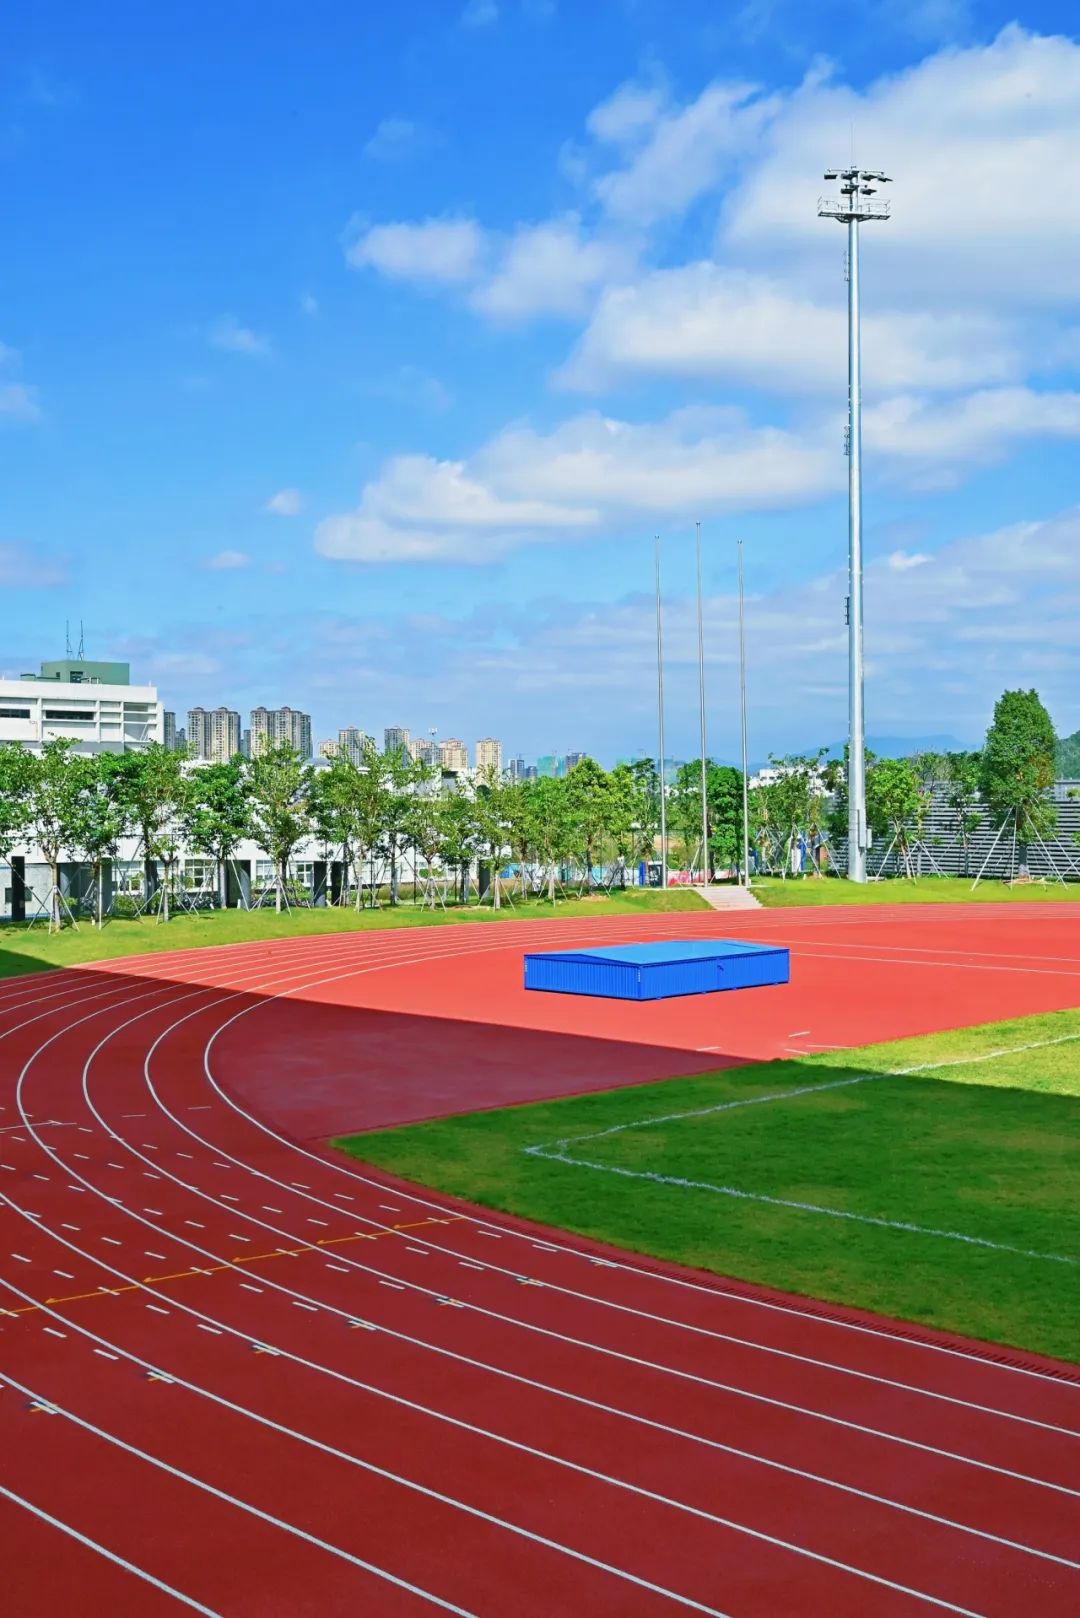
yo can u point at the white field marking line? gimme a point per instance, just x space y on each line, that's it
822 954
293 1238
245 1505
356 1264
353 1381
574 932
110 1556
933 949
708 1516
556 1287
715 1291
560 1151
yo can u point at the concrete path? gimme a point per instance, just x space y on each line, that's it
725 897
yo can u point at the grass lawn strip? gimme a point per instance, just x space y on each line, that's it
32 949
777 892
947 1191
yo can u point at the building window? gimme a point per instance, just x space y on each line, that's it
199 874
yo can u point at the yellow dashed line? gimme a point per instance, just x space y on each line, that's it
241 1258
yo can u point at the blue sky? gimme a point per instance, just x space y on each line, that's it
351 357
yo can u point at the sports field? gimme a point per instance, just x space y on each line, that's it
937 1178
317 1389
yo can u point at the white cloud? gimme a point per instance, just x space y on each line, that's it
227 333
479 14
446 250
688 150
420 509
22 568
227 561
550 268
984 146
393 138
309 304
586 476
19 403
705 321
285 503
901 561
626 117
975 429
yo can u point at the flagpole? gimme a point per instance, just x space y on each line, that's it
660 717
701 713
742 721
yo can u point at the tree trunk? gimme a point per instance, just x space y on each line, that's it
495 894
280 887
165 893
551 881
99 883
223 892
54 898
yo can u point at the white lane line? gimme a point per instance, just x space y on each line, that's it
109 1556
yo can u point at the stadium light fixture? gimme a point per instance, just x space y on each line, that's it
858 202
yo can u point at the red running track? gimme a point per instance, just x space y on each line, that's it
241 1376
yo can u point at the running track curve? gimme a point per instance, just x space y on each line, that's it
242 1376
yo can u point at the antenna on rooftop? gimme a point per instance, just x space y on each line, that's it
82 651
67 638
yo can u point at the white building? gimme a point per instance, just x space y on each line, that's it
100 715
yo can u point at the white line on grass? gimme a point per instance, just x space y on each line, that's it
559 1151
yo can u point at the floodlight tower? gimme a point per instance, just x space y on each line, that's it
858 201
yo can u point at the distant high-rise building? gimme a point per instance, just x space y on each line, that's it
453 754
517 768
328 749
572 759
270 727
245 743
170 729
214 735
395 737
548 764
531 773
424 750
354 742
489 754
181 739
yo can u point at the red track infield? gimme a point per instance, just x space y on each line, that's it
242 1376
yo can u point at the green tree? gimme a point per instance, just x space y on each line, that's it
554 831
962 797
458 836
150 786
215 816
101 820
893 802
490 811
276 780
14 786
1018 767
56 780
723 807
590 807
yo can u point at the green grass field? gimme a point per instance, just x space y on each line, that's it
32 949
831 890
986 1149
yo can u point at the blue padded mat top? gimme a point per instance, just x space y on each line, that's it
660 954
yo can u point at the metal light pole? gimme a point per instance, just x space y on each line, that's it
660 714
858 188
701 714
742 726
